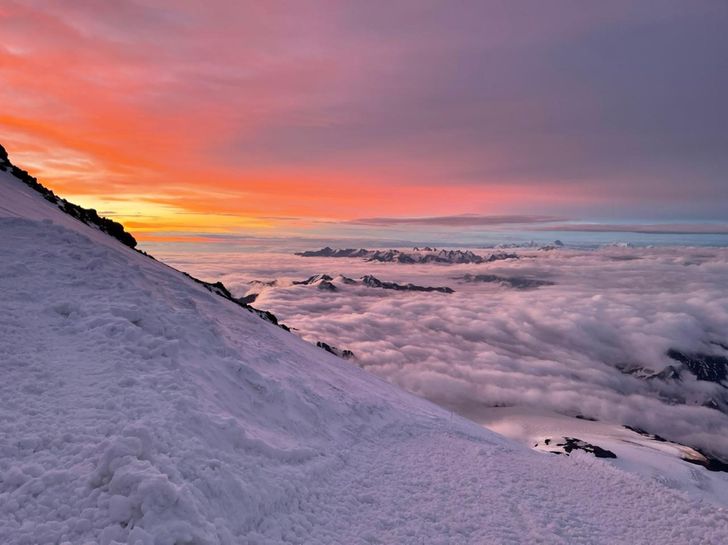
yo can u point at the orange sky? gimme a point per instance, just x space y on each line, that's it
266 117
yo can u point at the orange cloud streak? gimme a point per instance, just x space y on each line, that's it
106 123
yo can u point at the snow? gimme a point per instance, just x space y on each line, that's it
137 407
660 460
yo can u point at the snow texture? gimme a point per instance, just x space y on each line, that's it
137 407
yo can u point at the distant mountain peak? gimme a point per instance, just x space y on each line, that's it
416 256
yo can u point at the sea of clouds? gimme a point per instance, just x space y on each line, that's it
562 347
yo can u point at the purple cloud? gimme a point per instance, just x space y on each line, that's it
462 220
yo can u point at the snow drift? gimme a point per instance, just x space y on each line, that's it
138 407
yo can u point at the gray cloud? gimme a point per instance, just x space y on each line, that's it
667 229
462 220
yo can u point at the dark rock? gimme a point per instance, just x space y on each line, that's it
219 288
4 161
646 434
571 444
517 282
704 366
264 283
374 282
326 347
326 285
321 281
424 255
345 354
708 462
668 373
313 279
248 299
330 252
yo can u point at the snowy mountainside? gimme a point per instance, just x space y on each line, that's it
138 407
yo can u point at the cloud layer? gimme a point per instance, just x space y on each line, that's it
559 346
462 220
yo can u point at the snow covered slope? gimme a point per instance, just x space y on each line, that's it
137 407
634 450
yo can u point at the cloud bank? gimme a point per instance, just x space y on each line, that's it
647 229
462 220
569 346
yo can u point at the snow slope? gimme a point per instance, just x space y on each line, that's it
137 407
654 458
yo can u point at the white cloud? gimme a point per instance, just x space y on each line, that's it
559 347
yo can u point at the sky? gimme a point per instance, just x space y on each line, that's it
184 119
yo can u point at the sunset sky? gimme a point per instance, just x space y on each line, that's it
183 118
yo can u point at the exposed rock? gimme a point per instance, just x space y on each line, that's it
345 354
330 252
517 282
4 161
670 372
417 256
264 283
374 282
346 280
248 299
326 283
313 279
693 455
707 367
571 444
667 382
708 462
321 281
645 433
